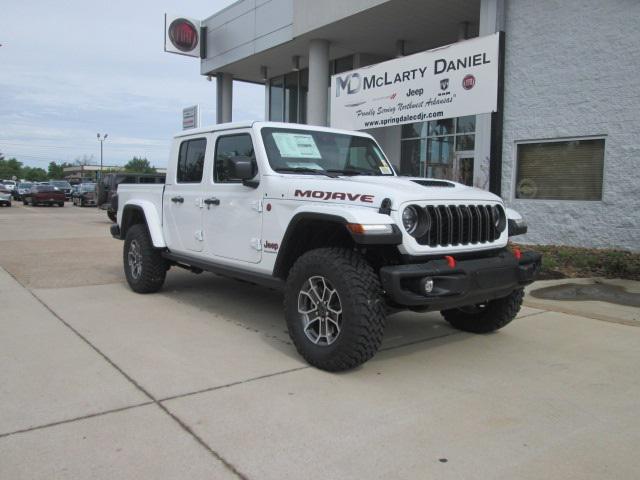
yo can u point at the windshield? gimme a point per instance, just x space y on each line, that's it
61 184
87 187
323 153
24 185
45 188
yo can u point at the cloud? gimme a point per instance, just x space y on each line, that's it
86 72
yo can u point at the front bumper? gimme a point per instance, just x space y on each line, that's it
469 282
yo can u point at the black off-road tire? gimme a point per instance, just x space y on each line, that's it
494 315
363 312
153 267
112 216
61 204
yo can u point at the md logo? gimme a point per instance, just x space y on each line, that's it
351 83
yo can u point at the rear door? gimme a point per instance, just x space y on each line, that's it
232 217
182 199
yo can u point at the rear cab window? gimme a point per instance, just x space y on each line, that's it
191 160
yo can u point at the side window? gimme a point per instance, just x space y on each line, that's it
191 160
227 147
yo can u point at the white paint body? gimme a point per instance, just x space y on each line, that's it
234 233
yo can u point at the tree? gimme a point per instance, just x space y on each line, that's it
10 168
139 165
55 171
84 160
35 174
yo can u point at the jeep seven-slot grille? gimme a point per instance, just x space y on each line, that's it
458 225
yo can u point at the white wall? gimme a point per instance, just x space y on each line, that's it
573 69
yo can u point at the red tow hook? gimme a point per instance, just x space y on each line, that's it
451 261
517 253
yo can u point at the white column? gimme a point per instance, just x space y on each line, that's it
318 95
224 97
491 21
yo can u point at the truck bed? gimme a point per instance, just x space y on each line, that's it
151 193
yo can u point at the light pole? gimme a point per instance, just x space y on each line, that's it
101 140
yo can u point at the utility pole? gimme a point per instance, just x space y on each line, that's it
101 140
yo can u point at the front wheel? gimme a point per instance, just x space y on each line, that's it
61 204
334 309
112 216
486 317
144 266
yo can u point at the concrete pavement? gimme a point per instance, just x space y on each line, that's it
201 380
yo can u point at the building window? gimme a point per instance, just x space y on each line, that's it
439 149
288 97
191 160
276 99
560 170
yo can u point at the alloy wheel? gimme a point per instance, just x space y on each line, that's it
320 310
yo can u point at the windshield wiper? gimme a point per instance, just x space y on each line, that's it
305 170
350 171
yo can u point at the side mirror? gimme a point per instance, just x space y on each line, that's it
244 168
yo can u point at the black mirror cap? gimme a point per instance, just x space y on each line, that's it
245 169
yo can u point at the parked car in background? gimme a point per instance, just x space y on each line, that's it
21 189
44 195
64 186
10 184
5 195
106 189
85 195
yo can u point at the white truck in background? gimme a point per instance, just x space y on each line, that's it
321 214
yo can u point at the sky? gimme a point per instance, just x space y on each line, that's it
72 69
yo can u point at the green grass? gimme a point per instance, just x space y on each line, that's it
572 262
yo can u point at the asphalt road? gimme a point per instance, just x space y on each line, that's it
201 380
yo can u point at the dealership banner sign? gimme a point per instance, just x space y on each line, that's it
453 81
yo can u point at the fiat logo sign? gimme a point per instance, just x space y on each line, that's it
468 82
183 35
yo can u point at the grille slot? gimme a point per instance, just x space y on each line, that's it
453 225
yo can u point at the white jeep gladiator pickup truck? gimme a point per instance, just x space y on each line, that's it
321 214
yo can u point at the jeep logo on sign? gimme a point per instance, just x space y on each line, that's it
351 83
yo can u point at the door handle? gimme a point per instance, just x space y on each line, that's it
212 201
177 200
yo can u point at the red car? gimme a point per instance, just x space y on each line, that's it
44 194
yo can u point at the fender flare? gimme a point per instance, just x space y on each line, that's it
394 238
151 218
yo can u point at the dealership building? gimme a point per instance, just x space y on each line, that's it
546 95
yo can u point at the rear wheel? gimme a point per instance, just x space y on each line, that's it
485 317
61 204
334 310
144 266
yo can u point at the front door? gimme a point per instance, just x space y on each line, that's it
182 202
232 215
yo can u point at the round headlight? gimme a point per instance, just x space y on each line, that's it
498 218
410 219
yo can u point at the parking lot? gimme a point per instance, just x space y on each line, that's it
201 380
